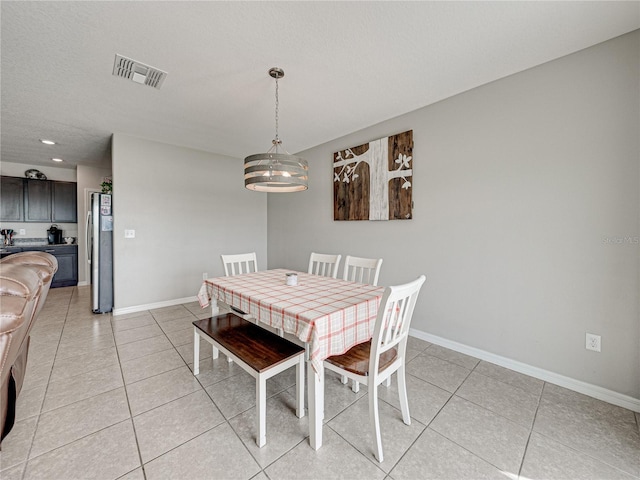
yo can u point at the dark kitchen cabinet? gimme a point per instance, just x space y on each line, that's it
6 251
37 201
65 202
43 201
67 256
11 199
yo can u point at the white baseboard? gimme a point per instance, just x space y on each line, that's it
152 306
594 391
83 284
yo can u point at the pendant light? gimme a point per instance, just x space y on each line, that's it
274 171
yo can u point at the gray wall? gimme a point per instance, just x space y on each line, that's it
187 207
526 219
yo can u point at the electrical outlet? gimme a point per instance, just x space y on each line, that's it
22 232
593 342
205 275
129 234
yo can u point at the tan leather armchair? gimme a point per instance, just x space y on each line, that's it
25 279
44 264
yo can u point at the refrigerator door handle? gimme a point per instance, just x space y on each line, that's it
88 237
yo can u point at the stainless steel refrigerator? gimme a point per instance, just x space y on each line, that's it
100 251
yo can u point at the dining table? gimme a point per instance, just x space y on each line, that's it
328 315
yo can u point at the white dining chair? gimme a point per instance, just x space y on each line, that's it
362 270
371 363
239 263
323 264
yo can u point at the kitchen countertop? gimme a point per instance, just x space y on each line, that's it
26 243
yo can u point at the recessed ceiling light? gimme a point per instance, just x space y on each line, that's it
57 159
48 142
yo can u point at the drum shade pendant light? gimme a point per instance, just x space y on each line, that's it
274 171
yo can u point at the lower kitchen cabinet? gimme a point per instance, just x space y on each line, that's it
6 251
67 256
67 274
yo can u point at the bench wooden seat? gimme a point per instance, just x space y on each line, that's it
259 352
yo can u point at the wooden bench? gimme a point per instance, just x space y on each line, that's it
259 352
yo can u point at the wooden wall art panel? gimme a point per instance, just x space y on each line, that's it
374 181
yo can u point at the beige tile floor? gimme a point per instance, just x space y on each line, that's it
115 398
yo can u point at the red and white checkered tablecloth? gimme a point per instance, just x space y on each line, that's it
330 315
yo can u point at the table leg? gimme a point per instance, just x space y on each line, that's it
300 366
316 406
215 310
196 351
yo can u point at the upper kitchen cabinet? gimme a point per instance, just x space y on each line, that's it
37 201
43 201
65 202
11 199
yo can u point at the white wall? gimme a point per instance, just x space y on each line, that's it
526 219
187 207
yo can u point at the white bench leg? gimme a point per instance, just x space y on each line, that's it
214 352
196 351
300 387
355 387
387 382
261 411
343 379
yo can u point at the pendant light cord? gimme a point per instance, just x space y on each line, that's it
277 141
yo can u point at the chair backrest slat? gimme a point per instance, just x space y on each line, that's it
323 264
362 270
239 263
393 320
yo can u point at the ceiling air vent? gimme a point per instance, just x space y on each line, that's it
138 72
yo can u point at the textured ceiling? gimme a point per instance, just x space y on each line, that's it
348 65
